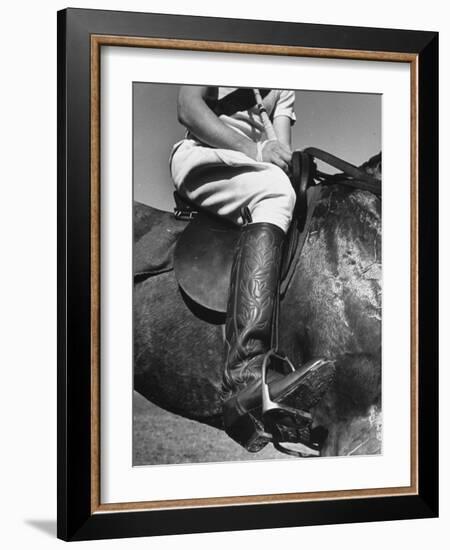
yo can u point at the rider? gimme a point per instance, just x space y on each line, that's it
226 165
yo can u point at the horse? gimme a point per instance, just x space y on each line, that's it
332 309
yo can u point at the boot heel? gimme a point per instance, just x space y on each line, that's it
248 432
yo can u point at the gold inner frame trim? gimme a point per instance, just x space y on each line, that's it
97 41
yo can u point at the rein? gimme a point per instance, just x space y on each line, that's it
351 175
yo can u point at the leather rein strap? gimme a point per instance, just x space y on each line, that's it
351 175
297 239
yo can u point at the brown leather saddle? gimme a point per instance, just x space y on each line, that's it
204 251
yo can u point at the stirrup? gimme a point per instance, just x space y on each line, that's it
275 415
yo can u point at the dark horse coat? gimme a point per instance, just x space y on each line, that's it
332 308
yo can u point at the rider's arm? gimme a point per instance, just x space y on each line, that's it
280 152
196 116
282 126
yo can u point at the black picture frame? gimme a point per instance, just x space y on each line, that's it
77 520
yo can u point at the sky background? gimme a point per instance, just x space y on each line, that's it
345 124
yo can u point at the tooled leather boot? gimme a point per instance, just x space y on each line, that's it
248 333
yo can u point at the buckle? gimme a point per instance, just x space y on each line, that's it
184 214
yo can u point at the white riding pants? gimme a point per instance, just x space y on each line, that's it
223 181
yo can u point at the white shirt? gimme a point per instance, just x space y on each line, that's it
248 121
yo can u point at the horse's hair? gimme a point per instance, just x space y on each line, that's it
373 166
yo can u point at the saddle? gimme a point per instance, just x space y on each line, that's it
204 251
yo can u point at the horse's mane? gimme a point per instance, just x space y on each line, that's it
373 166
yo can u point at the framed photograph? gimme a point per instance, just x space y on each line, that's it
247 255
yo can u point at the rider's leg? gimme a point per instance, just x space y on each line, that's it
270 198
223 190
248 331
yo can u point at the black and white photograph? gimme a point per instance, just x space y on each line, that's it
224 283
257 273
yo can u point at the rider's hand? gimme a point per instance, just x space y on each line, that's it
277 153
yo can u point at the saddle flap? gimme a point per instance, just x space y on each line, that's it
203 259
